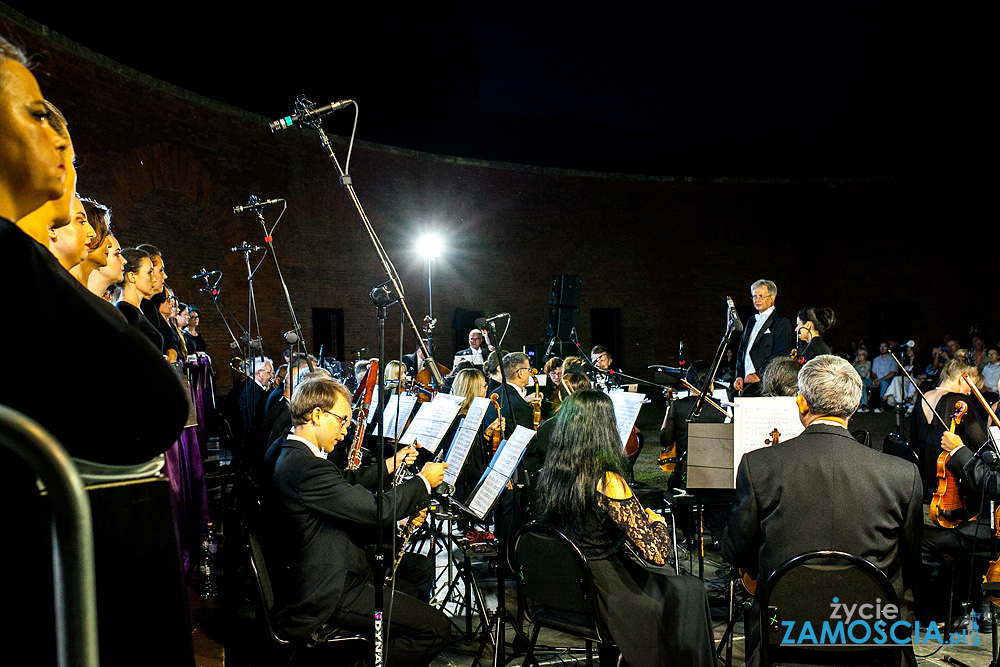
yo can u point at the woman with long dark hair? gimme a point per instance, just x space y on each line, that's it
655 618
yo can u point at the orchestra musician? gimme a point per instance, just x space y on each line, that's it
477 350
674 431
515 402
655 617
824 490
981 482
770 337
601 358
977 484
319 524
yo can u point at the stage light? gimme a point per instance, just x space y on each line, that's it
430 246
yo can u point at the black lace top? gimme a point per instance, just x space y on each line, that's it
610 522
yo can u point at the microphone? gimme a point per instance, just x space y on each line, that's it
246 247
548 350
306 116
204 273
256 203
481 322
734 316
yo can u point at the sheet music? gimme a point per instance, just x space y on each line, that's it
406 405
373 406
432 422
464 438
759 420
627 404
501 468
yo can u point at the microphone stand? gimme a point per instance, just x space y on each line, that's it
293 337
382 296
252 318
304 106
706 389
212 289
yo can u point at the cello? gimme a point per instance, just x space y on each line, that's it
948 504
423 382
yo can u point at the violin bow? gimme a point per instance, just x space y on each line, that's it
915 386
982 399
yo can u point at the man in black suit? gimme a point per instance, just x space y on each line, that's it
319 525
477 350
768 337
515 402
824 490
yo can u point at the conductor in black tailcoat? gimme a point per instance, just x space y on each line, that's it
824 490
768 337
319 524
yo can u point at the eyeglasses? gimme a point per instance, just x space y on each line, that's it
760 297
526 368
343 420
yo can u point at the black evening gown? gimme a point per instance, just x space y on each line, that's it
655 617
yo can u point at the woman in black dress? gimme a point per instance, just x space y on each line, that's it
194 340
655 617
138 285
810 325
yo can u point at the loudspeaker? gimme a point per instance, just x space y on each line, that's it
564 304
565 292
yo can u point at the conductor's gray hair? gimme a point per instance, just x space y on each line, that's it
772 289
831 386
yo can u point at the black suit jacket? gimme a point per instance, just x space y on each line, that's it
776 339
513 407
318 526
824 490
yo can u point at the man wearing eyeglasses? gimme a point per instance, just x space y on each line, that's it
477 350
769 336
320 524
515 402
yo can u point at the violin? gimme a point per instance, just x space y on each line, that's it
668 455
634 444
498 433
948 504
536 406
364 395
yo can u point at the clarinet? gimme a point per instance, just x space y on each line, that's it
415 521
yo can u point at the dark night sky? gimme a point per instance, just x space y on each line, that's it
743 90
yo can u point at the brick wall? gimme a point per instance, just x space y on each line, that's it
665 251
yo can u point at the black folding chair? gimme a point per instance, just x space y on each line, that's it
259 566
556 588
802 590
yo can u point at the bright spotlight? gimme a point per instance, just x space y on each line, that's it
430 246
